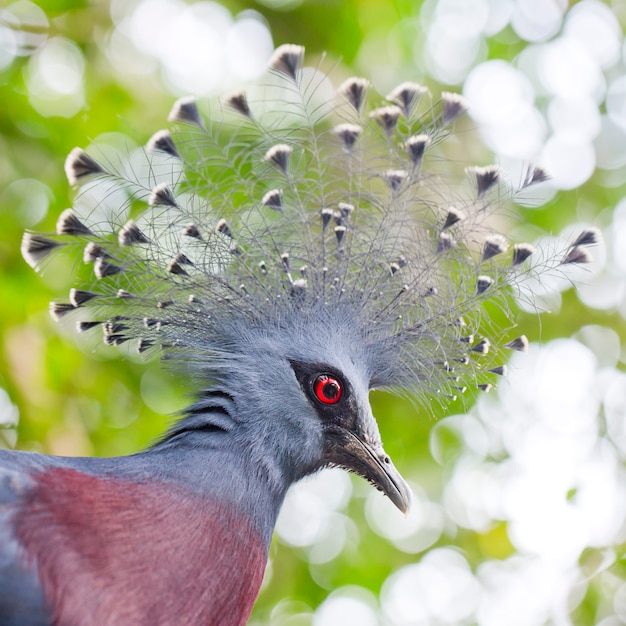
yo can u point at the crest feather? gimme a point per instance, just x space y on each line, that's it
325 214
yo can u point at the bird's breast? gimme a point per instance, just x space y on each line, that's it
112 552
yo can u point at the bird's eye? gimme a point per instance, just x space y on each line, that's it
327 389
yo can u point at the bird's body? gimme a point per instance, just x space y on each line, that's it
69 527
76 520
286 266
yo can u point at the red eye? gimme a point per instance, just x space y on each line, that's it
327 389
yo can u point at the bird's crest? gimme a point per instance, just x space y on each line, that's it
296 201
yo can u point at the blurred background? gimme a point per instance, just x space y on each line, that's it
520 495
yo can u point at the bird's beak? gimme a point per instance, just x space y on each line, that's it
372 463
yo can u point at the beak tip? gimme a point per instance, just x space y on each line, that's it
404 500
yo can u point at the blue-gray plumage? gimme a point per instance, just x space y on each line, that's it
21 600
239 445
287 255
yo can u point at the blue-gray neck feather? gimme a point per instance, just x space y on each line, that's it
209 465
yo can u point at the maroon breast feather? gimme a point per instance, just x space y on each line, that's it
112 552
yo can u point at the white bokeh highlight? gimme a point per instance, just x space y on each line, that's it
311 514
537 20
9 418
546 106
440 589
55 78
412 533
198 48
543 466
23 28
348 606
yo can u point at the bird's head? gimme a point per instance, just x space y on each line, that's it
301 388
350 437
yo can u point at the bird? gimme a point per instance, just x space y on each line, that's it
285 249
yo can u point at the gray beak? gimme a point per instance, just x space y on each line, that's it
370 461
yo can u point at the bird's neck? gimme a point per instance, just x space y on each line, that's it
200 500
216 462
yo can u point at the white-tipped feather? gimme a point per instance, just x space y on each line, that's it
298 226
